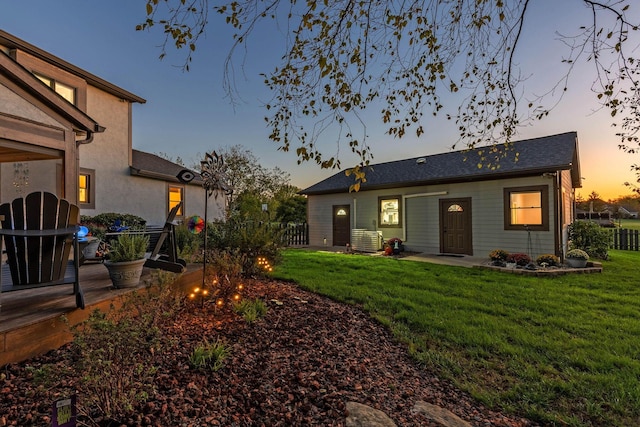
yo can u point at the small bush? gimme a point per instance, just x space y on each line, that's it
209 356
251 239
591 238
251 310
549 259
188 244
498 255
111 349
520 259
98 225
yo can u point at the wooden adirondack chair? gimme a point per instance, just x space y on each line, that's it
169 259
157 258
38 232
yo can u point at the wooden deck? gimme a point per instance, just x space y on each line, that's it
30 319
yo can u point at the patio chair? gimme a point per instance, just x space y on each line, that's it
38 232
160 255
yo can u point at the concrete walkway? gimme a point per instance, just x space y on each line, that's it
444 259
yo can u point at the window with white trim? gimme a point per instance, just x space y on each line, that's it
390 211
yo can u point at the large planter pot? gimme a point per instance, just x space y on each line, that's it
577 263
125 274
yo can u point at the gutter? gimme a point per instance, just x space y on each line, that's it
90 135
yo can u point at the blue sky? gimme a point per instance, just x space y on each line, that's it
188 114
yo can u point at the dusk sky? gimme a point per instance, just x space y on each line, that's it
188 114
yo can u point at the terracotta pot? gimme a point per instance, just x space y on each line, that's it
125 274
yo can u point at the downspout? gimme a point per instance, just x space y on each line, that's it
355 213
87 140
559 208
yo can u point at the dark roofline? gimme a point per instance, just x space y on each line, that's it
158 169
14 42
547 154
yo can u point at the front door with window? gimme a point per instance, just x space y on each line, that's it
455 226
341 225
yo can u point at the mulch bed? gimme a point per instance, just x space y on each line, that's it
297 366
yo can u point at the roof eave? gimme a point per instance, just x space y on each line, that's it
160 176
13 42
450 180
20 76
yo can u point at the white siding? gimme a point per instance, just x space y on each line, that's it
421 217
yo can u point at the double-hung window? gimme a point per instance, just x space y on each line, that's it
526 208
390 211
176 195
86 188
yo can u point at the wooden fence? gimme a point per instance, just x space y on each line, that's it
624 239
295 234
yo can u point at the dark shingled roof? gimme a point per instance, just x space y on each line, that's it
152 166
519 158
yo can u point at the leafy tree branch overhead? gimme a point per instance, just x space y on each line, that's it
341 57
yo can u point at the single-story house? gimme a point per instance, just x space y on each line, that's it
627 212
454 203
70 132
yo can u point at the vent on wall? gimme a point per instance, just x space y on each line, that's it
421 160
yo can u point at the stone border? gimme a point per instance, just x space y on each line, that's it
592 267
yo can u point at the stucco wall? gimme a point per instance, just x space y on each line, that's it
115 189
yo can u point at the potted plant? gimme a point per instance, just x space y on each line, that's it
396 245
125 259
577 258
499 257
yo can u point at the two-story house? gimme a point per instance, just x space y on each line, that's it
68 131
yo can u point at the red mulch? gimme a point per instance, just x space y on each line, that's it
297 366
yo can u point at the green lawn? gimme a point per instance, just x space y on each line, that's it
561 351
631 224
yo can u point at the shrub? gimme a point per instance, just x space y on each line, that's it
111 349
224 274
498 255
99 224
520 259
251 240
188 244
590 237
548 259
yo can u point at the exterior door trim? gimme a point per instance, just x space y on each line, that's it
466 234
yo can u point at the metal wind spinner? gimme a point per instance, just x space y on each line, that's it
214 176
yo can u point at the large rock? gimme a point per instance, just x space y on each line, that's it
439 415
359 415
